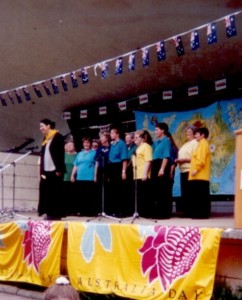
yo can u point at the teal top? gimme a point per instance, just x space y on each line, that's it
162 148
118 152
85 163
131 149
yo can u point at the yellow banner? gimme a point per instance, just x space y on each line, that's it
31 251
143 262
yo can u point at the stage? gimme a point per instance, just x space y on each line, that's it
217 220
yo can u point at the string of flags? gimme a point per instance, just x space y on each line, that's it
219 85
51 87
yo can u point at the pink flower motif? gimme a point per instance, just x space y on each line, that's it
170 254
36 243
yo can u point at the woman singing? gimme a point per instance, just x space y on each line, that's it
118 156
83 173
141 162
52 169
160 173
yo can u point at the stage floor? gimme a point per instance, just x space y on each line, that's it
217 220
225 221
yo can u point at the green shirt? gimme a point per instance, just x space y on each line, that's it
69 159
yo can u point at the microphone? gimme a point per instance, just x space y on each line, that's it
31 148
30 140
11 149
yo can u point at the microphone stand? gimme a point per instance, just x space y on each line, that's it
12 212
136 214
102 214
3 213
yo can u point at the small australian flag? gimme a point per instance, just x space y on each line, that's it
179 46
161 51
212 33
145 57
18 96
37 90
4 103
84 75
26 94
195 40
10 97
104 70
74 80
54 86
64 83
47 90
230 26
132 62
119 66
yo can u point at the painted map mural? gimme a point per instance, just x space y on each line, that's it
222 119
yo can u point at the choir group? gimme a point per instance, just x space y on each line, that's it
124 177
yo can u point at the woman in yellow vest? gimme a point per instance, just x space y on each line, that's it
199 176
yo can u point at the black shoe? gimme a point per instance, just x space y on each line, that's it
184 216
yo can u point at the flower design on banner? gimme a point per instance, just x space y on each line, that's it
102 232
36 243
170 253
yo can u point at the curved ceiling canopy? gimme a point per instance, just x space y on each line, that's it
44 40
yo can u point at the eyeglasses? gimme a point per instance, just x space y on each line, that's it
137 137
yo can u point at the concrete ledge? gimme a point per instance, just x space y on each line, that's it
28 293
231 233
31 294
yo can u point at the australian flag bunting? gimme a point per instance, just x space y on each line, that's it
18 96
64 83
37 90
230 26
212 33
26 94
132 62
74 80
4 103
179 46
119 66
122 105
83 114
145 57
10 97
143 99
84 75
104 70
195 40
54 86
161 51
47 90
66 115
